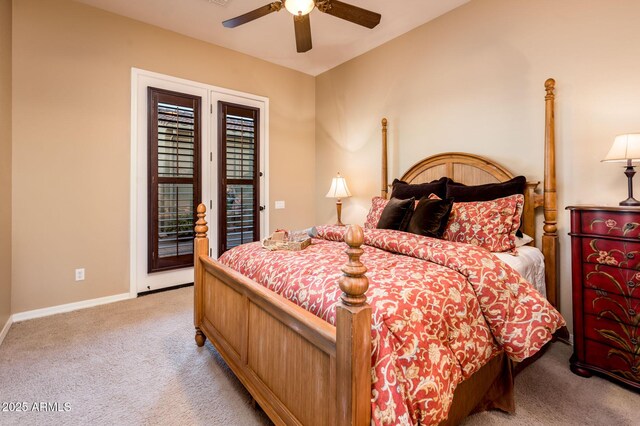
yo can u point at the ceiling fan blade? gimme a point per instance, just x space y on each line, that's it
254 14
302 26
350 13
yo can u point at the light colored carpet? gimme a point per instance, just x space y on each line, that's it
548 393
127 363
135 362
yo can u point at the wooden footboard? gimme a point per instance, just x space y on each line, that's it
299 368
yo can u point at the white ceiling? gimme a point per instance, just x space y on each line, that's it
272 37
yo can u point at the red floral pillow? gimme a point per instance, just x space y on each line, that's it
489 224
377 205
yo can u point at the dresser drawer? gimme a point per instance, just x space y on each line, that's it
611 252
615 224
615 334
612 306
611 279
620 363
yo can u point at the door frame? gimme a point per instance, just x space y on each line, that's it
139 279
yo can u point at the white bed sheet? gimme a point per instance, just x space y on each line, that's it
530 264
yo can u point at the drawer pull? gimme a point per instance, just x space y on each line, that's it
634 369
634 341
630 256
631 284
632 313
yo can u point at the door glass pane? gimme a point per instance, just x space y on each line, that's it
175 219
240 215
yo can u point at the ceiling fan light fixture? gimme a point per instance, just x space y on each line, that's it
299 7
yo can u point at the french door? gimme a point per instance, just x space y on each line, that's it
238 175
185 149
173 179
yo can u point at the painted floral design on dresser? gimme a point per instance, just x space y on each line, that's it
606 252
623 310
601 278
611 226
626 341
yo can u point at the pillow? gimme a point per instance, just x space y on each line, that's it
396 214
373 217
523 241
489 224
490 191
403 190
464 193
430 217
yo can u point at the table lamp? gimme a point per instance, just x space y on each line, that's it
339 190
626 148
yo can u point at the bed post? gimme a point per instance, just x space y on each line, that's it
550 236
353 338
384 193
200 248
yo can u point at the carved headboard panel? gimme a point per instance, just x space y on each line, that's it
472 169
465 168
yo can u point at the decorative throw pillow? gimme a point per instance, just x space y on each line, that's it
430 217
396 214
403 190
373 217
464 193
489 224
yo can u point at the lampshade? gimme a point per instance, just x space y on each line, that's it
299 7
624 148
338 188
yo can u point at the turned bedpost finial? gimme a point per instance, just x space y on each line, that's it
354 283
201 225
549 86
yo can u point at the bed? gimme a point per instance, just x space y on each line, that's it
302 369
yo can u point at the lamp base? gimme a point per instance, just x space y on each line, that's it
630 202
629 172
339 211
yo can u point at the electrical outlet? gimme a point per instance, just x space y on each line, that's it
279 205
80 274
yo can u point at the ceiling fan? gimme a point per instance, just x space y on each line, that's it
301 9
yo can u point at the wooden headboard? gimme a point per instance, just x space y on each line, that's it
472 169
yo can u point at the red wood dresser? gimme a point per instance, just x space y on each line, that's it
605 245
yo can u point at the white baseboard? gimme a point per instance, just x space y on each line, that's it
44 312
5 329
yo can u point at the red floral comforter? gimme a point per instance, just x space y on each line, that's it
441 310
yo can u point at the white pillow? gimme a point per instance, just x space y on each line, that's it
523 241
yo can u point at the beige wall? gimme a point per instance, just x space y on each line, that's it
472 81
5 161
71 90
